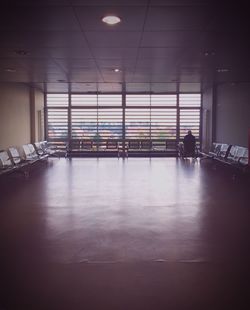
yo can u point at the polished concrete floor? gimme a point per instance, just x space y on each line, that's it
138 233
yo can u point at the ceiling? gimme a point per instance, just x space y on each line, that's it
159 46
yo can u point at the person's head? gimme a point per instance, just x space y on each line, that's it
189 132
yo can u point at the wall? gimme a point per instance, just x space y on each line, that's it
207 117
14 115
233 113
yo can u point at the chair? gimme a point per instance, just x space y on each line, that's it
51 151
6 164
30 153
146 145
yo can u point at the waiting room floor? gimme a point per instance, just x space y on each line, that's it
138 233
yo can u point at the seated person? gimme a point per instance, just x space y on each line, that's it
189 145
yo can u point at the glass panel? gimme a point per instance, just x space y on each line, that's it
57 123
109 100
137 100
190 100
137 123
189 120
84 123
163 100
57 100
84 100
110 123
163 123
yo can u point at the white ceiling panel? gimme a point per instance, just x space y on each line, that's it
159 52
76 64
113 39
109 2
179 2
177 18
85 76
150 63
112 53
36 3
169 38
121 63
76 53
55 18
42 39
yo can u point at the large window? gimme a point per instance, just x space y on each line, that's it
190 105
57 116
151 117
106 117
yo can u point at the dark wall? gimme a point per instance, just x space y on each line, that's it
233 113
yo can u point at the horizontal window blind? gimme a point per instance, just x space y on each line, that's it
163 100
84 123
163 123
57 100
190 100
84 100
137 100
110 100
110 123
147 116
189 120
57 123
137 123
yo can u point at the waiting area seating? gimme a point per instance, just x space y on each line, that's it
129 147
22 158
230 155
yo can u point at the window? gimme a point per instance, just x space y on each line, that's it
137 124
190 105
145 116
57 116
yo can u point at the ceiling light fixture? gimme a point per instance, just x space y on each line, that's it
111 20
116 70
11 70
21 52
209 53
222 70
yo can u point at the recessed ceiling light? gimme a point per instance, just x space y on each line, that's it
209 53
111 19
11 70
21 52
116 70
222 70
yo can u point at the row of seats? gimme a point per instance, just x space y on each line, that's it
232 155
78 146
20 159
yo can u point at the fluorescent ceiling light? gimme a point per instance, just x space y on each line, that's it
111 19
